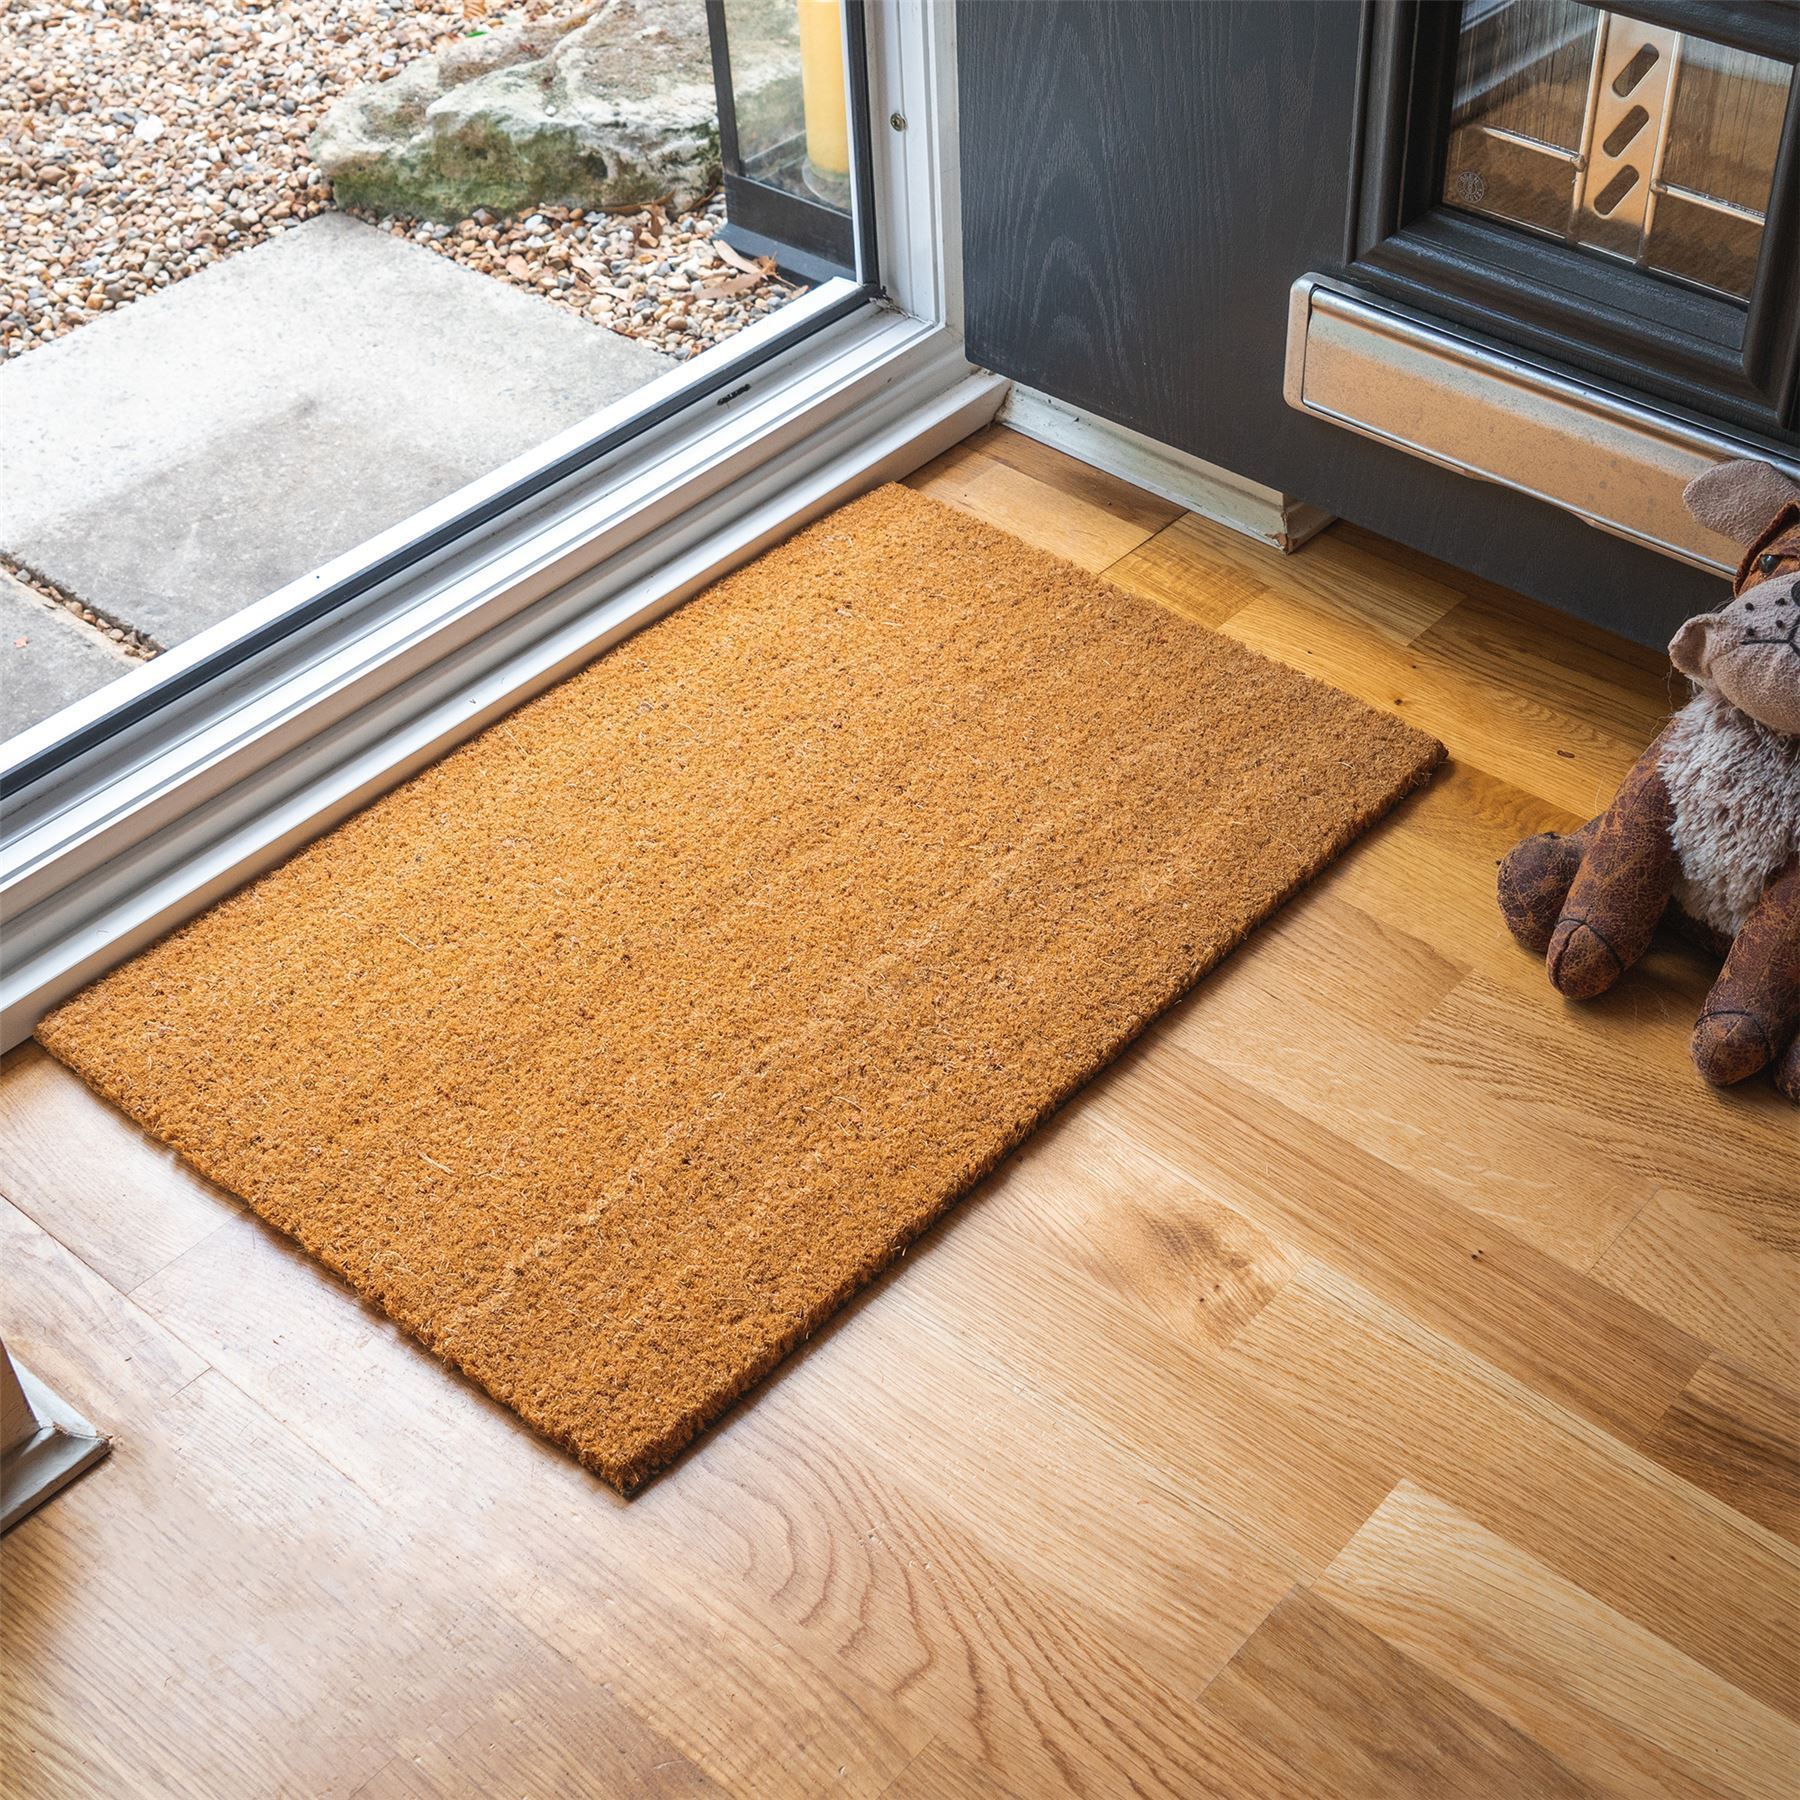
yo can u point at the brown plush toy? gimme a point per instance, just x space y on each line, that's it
1706 827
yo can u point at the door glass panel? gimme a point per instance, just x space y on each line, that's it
279 280
784 133
1627 139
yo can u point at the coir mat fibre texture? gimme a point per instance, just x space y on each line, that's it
617 1050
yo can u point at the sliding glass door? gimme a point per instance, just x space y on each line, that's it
299 306
280 556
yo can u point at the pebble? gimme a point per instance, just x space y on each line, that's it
151 138
133 642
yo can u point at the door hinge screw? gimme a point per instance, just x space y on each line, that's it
897 120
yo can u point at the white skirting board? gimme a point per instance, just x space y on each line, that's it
1202 487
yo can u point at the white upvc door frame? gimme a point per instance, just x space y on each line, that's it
122 844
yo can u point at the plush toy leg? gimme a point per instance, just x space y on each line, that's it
1753 1010
1621 889
1535 880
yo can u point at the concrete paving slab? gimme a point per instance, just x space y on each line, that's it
47 657
174 461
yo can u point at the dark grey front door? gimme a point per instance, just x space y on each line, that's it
1145 180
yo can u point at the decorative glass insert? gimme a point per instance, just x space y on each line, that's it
1628 139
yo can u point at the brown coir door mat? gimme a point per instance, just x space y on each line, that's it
614 1052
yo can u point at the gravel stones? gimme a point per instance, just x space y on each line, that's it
664 281
99 207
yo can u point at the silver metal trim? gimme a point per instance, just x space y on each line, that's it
57 1445
1618 464
1729 209
1519 140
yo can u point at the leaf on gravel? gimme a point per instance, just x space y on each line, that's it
735 284
758 266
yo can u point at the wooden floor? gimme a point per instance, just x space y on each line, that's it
1382 1382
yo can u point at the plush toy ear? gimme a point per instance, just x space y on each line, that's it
1737 499
1690 650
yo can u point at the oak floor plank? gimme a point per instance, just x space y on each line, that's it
1299 1019
771 1703
1219 1763
986 1624
1738 1437
182 1619
1722 1265
1180 568
1171 1403
1533 623
1336 576
1520 1309
1427 651
1431 869
1613 1702
139 1207
1071 479
1613 1076
1481 643
529 1742
574 1565
76 1332
1569 759
1022 1681
1365 1722
1655 1549
1606 1084
1134 1228
1091 527
938 1773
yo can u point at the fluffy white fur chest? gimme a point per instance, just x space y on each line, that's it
1735 786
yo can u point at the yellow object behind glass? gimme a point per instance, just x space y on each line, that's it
822 86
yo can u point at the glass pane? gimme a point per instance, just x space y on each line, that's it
1724 132
1521 91
764 45
784 135
1708 245
1628 139
277 274
1727 123
1524 68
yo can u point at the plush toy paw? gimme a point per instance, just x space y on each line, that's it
1581 963
1729 1047
1535 878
